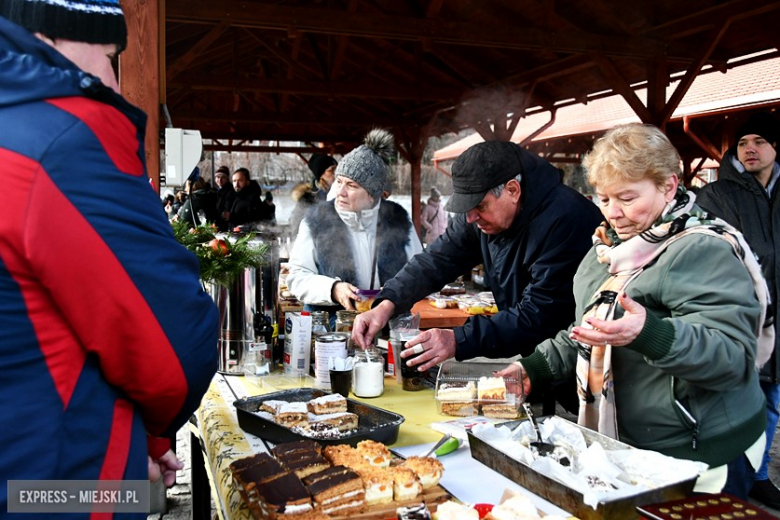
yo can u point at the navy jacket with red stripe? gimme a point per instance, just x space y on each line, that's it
105 332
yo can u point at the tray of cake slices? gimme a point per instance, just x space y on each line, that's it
309 413
312 481
465 389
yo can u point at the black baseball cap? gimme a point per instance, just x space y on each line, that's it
480 169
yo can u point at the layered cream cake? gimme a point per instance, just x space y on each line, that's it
406 485
292 414
282 496
378 483
459 409
375 453
501 410
343 421
326 404
491 389
465 391
337 490
427 469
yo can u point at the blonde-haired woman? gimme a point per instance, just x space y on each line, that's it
670 308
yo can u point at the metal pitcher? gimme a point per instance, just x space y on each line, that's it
252 292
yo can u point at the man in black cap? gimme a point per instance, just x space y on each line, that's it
745 196
324 169
528 229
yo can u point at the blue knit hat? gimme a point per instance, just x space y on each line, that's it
88 21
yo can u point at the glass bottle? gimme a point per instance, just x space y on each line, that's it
320 324
368 375
344 322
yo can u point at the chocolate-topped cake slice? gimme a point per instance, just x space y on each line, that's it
253 476
239 465
337 490
283 495
303 463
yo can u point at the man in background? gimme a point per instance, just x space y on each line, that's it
107 341
324 169
248 206
225 195
745 196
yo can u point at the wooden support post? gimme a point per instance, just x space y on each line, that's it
621 86
139 72
411 142
657 81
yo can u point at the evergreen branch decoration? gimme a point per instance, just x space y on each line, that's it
221 260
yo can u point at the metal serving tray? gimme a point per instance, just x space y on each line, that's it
374 423
565 497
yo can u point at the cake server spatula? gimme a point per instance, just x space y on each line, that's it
437 445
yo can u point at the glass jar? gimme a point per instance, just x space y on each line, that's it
320 324
368 375
344 321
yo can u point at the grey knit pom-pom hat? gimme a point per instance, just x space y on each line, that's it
367 164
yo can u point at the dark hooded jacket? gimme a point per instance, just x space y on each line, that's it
225 197
203 202
739 199
529 267
247 206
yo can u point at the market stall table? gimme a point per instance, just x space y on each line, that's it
222 441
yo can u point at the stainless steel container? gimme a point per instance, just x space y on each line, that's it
252 292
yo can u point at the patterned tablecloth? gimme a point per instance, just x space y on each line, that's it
224 441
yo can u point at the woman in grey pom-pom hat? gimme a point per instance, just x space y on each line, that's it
355 240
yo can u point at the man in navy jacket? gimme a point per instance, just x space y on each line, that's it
529 230
107 340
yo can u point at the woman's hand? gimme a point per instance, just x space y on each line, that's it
516 372
617 333
344 293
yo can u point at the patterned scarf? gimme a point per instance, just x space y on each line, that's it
627 259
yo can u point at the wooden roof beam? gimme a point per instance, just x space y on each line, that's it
329 89
290 72
622 87
717 15
281 56
341 46
286 119
222 147
195 52
372 25
685 83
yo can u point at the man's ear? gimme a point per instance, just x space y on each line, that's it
513 189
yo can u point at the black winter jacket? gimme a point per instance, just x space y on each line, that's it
529 267
247 206
739 199
201 200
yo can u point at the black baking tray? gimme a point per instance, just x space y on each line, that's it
374 423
